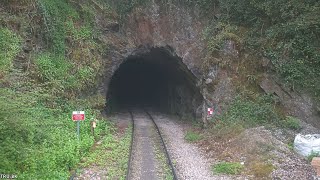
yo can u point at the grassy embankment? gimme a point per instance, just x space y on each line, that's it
40 90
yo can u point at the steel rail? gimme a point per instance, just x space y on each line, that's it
131 147
164 146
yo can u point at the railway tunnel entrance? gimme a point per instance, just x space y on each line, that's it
157 79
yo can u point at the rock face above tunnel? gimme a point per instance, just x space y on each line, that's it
179 28
158 25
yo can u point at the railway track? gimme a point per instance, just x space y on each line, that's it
147 145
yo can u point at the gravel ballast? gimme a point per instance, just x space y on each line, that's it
189 161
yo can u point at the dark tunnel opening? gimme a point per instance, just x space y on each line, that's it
156 79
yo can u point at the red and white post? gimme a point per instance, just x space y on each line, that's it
78 116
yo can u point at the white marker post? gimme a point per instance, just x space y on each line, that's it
93 126
78 116
210 112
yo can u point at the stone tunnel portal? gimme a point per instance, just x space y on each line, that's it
156 78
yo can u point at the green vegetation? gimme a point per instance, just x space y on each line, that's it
312 155
247 112
113 152
56 14
63 21
232 168
192 136
223 32
83 63
290 145
124 7
9 47
37 136
62 76
38 141
292 123
284 31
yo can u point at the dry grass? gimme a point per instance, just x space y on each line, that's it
260 169
226 132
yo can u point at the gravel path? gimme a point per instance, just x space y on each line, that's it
190 162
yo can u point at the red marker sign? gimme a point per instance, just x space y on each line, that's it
78 116
210 111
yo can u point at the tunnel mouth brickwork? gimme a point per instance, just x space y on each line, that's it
155 78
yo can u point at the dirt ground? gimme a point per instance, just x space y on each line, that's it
265 153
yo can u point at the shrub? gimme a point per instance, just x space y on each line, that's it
63 76
292 123
250 113
228 168
9 47
192 136
51 67
56 14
